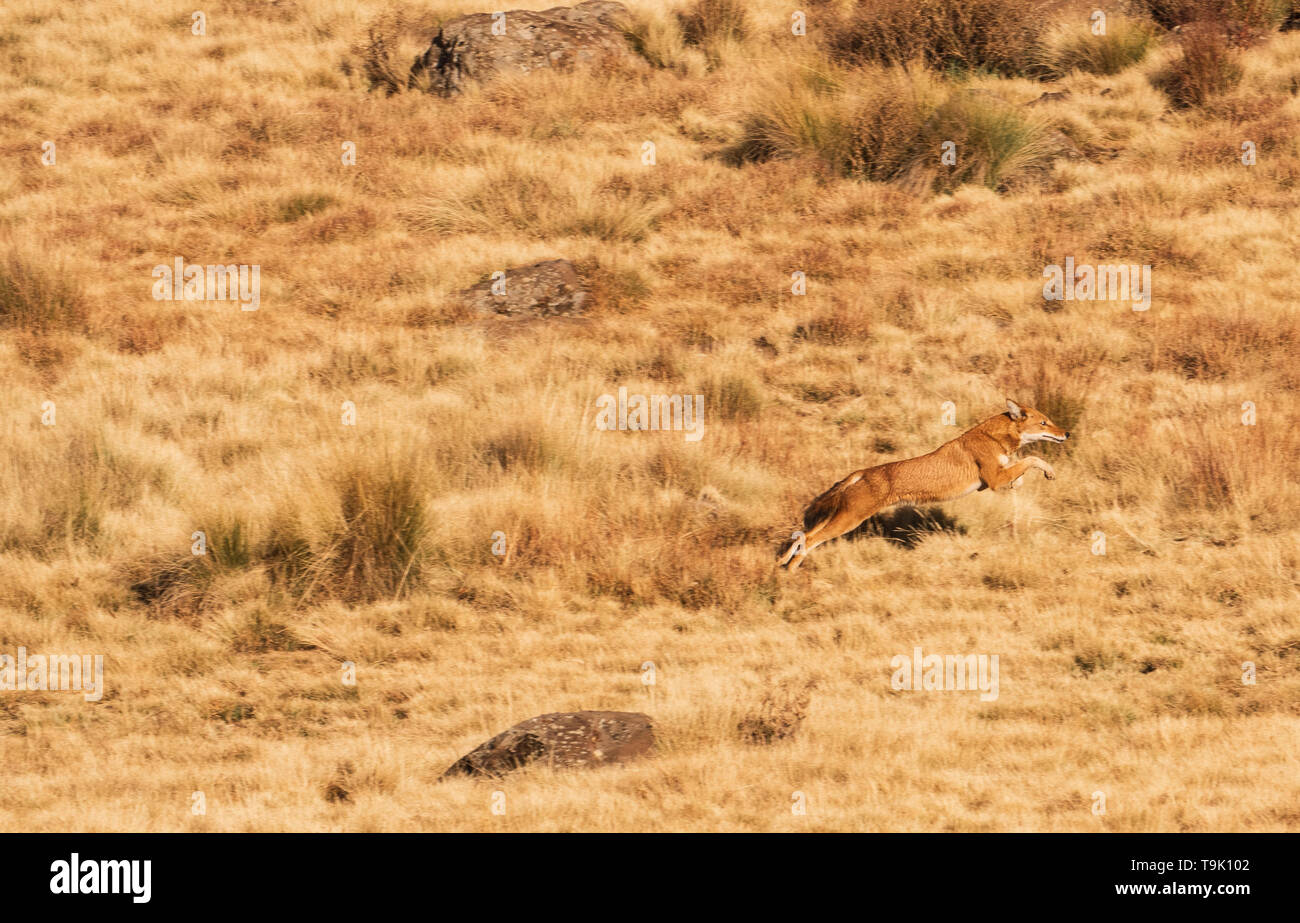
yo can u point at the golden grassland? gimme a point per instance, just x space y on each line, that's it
371 543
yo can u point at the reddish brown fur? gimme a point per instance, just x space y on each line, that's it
979 459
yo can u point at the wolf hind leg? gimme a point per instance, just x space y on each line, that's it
794 546
840 524
799 548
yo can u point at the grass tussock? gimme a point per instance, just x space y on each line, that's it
965 36
358 535
705 23
992 144
1251 14
38 298
1124 43
375 542
658 36
384 55
805 112
1207 66
885 124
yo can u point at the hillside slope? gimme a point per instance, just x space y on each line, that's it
372 544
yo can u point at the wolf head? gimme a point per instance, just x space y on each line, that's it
1034 426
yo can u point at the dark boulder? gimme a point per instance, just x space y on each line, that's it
551 288
565 740
589 35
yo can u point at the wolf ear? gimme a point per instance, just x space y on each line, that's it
1014 409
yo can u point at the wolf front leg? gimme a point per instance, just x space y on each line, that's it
1047 470
995 475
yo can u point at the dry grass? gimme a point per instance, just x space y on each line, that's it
36 299
374 544
887 124
1255 14
779 715
1123 43
999 36
707 22
1207 66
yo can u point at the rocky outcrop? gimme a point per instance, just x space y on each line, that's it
551 288
482 46
565 740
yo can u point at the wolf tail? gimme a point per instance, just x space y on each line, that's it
828 504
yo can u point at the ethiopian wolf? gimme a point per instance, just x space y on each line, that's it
979 459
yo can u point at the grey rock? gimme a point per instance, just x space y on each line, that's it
607 13
551 288
565 740
465 49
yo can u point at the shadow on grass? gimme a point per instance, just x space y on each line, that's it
907 525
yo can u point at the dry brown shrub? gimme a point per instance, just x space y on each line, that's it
994 35
1208 66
